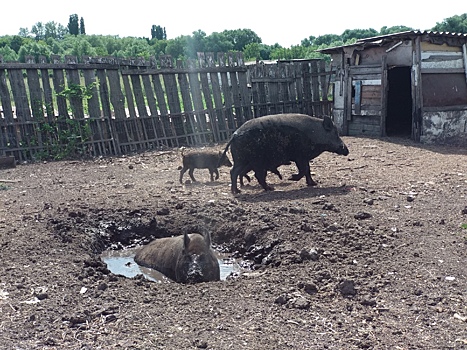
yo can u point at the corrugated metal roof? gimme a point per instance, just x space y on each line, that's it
408 35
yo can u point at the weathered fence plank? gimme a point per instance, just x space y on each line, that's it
74 84
205 88
227 94
198 104
173 100
190 124
19 94
94 110
164 113
5 98
239 118
245 93
47 90
59 86
219 126
35 91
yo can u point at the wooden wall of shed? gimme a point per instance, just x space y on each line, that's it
401 55
358 100
444 92
443 85
449 127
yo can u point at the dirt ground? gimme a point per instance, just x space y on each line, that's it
374 257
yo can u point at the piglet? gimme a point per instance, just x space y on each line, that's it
203 160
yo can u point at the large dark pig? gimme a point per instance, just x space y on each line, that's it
273 140
185 259
203 160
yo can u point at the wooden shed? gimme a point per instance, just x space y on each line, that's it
410 84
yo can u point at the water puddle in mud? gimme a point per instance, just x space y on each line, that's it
121 262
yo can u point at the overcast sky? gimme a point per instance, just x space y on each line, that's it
282 22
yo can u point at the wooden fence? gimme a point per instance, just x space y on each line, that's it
110 106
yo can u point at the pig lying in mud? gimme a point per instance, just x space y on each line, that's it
273 140
203 160
186 259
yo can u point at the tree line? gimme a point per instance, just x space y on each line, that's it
53 38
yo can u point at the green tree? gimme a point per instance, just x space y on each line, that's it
158 47
265 50
112 44
81 47
24 32
97 42
358 34
8 54
394 29
55 30
38 30
307 42
157 32
82 28
195 43
138 48
252 52
294 52
241 37
218 42
55 46
176 47
13 42
34 48
73 25
327 39
454 24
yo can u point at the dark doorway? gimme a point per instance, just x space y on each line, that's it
399 103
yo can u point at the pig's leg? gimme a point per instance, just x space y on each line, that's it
260 175
241 179
236 171
303 170
183 171
190 172
276 171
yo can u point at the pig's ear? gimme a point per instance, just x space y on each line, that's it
327 123
207 238
186 241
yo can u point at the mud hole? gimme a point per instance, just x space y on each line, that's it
374 257
117 242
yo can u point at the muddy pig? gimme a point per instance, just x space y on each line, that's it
186 259
203 160
270 141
